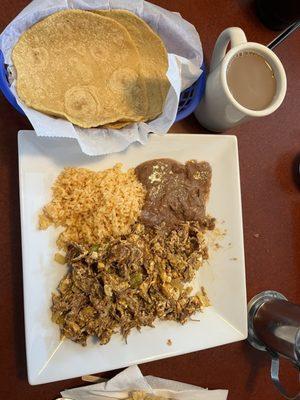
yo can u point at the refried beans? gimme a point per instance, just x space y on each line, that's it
176 192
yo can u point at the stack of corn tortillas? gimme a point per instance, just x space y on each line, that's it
100 68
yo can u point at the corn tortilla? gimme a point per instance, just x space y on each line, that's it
153 55
81 66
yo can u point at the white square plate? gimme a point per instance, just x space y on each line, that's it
48 358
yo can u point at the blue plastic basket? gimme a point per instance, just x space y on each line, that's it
189 98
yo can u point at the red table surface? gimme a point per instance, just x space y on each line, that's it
271 209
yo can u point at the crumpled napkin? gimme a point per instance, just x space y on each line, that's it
132 379
185 59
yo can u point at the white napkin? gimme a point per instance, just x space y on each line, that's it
132 379
185 58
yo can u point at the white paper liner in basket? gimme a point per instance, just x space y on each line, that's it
132 379
184 54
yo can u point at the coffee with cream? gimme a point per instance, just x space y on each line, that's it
251 80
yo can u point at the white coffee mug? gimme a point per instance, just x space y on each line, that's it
218 110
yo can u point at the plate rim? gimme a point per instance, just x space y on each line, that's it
35 379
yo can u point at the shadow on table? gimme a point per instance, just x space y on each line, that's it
258 361
17 281
288 176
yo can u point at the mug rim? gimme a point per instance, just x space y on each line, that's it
281 84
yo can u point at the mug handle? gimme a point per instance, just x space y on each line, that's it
234 36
